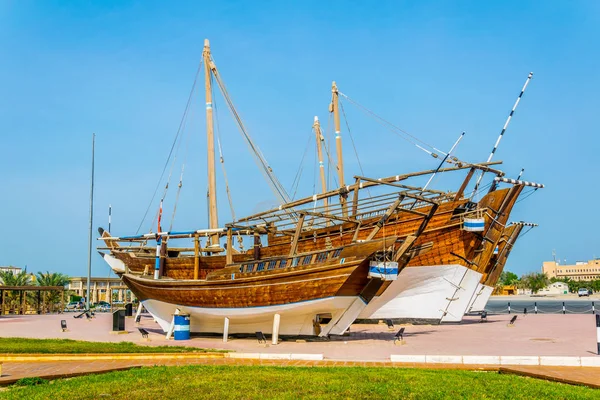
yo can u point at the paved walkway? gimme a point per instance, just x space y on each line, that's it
532 335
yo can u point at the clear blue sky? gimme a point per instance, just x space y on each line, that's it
124 71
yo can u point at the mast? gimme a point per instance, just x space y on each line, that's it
338 143
503 130
319 137
213 221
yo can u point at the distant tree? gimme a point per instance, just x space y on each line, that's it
7 278
51 299
508 278
535 281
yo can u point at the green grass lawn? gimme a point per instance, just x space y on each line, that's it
49 346
256 382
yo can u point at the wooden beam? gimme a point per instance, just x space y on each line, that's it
196 257
297 235
385 217
409 195
464 184
373 182
427 219
356 190
407 244
229 254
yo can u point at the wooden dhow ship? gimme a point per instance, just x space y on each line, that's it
408 252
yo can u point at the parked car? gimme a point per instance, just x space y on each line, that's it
73 306
583 292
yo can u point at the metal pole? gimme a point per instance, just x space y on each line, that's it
89 274
593 308
598 332
109 217
564 312
509 307
535 305
443 160
503 130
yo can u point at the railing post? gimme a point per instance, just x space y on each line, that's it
598 332
564 312
509 307
593 308
535 306
525 311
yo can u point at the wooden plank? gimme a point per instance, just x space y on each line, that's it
297 235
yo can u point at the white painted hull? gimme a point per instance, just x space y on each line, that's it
295 318
480 298
115 264
439 292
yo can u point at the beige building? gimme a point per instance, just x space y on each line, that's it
102 289
580 271
14 270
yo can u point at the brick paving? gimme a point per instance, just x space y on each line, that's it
587 376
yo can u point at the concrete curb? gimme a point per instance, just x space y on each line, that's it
154 356
105 356
276 356
499 360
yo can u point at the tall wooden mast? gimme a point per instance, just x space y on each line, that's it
338 143
317 128
213 221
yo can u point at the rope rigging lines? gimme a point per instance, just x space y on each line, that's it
267 171
175 140
434 152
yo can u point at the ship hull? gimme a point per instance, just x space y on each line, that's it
295 318
481 297
434 293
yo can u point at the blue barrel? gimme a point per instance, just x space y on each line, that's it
182 327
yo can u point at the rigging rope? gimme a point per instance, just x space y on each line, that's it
179 129
296 180
276 185
222 160
391 126
353 145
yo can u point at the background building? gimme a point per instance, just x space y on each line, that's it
555 288
580 271
14 270
103 289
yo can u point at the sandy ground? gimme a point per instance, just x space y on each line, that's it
535 335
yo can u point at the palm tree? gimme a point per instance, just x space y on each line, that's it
52 298
535 281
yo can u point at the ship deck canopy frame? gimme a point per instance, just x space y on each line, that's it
284 219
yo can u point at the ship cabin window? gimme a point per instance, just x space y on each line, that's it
295 261
307 260
261 266
247 267
272 264
337 253
283 263
321 257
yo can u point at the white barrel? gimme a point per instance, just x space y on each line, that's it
474 224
